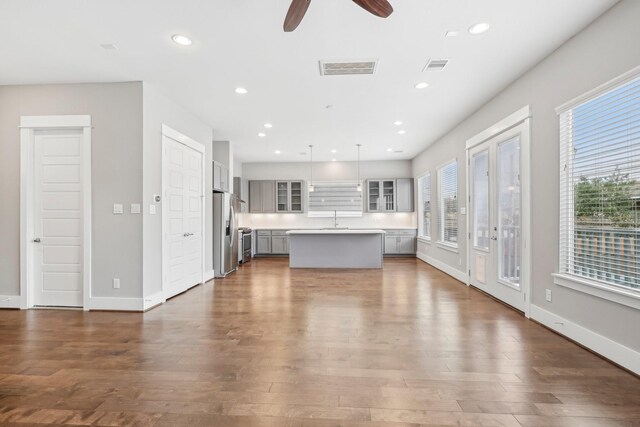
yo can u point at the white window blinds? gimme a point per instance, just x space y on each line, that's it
340 198
600 187
425 214
448 203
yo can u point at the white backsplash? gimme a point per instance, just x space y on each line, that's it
298 221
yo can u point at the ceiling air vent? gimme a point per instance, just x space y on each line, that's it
436 65
344 68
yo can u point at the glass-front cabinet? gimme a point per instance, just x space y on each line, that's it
289 196
381 195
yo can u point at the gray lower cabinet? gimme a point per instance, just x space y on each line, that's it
262 196
264 245
400 242
272 242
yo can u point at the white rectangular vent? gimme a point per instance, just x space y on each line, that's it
436 65
344 68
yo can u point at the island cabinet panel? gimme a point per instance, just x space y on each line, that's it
404 195
262 197
400 242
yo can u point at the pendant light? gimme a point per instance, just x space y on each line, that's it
359 187
311 187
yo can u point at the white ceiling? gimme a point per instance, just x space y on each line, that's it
241 43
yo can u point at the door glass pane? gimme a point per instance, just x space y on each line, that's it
481 200
509 211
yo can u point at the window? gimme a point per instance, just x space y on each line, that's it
600 188
424 210
448 203
339 198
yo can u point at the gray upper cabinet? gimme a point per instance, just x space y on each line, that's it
390 195
262 196
289 196
404 195
220 177
381 195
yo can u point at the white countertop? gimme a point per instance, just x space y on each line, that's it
336 231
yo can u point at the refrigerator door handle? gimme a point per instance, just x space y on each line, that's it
232 225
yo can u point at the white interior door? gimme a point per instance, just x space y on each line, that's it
58 239
496 218
183 231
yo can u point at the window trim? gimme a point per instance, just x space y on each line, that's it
603 290
453 247
421 236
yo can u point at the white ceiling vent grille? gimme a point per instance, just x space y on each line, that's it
436 65
347 68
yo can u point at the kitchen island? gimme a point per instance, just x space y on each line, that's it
336 248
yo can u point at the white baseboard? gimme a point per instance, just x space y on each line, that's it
616 352
152 300
9 301
455 273
116 304
209 275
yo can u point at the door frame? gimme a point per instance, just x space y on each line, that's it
28 127
195 145
522 117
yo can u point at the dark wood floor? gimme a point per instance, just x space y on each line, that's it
270 346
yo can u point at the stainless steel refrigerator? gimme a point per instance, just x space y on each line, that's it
225 233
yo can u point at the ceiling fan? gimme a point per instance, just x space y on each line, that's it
298 8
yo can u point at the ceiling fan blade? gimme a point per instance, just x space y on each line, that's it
295 14
380 8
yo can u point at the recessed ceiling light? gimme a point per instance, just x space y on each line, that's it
181 40
451 34
480 28
277 151
402 132
268 125
422 85
334 151
262 134
389 149
241 91
397 123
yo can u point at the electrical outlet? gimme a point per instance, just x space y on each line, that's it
548 294
118 208
116 283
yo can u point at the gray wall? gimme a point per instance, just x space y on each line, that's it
116 115
604 50
159 110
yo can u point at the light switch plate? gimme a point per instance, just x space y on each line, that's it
548 294
118 208
152 209
463 211
135 208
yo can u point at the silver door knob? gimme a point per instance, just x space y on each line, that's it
186 234
36 240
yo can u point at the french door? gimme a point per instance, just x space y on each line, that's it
496 217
